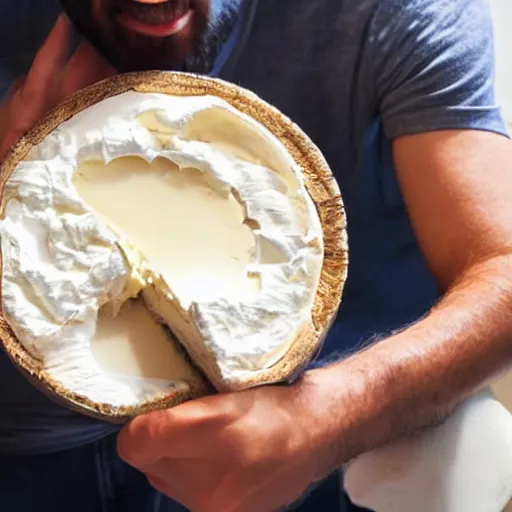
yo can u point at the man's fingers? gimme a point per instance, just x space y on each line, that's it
8 141
181 479
50 80
179 432
85 67
38 92
172 433
145 439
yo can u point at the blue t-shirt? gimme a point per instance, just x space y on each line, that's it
354 74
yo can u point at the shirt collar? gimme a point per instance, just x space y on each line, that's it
232 48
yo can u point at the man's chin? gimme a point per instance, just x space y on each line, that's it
192 46
135 51
153 57
128 49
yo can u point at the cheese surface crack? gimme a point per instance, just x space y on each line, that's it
147 211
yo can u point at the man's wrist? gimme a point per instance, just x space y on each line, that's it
327 411
415 378
350 407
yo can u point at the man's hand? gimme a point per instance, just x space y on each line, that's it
251 451
259 450
51 79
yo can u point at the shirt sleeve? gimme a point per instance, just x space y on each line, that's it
434 66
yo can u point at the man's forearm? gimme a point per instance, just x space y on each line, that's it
417 377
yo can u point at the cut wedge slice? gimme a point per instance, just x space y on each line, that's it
164 236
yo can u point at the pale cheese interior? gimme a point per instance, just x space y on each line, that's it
192 235
186 233
181 204
132 343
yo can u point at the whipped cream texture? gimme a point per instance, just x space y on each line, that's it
62 261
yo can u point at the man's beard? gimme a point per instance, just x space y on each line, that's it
210 31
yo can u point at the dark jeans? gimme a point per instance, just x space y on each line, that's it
92 478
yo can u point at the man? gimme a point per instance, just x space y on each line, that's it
399 96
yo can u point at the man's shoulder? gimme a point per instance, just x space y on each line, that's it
423 30
395 16
421 8
391 20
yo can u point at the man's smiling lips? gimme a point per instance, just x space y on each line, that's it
159 23
161 30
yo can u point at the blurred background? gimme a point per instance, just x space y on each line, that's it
502 10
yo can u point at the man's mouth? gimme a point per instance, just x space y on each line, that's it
155 18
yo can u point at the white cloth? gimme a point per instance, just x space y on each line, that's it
463 465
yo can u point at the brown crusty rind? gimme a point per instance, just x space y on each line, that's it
319 182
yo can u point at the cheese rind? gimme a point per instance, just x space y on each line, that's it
63 260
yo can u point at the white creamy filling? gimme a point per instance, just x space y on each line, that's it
171 204
65 255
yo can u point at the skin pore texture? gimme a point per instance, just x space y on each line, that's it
276 440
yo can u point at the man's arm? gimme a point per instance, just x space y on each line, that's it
257 450
434 76
260 449
457 187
